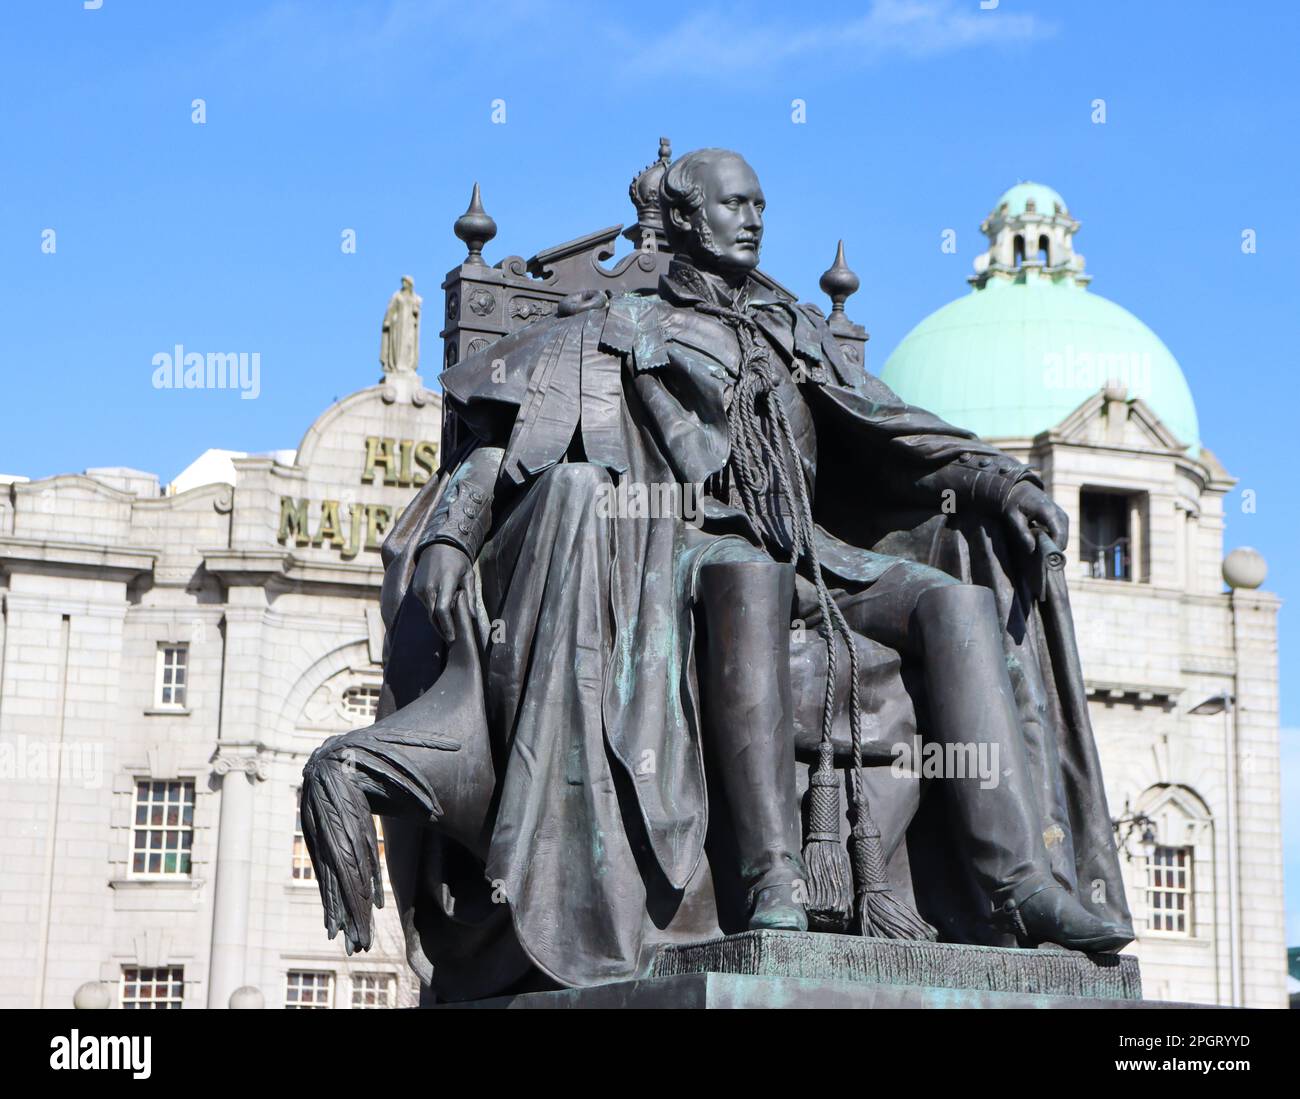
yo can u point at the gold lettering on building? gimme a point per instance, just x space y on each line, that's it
351 528
293 521
391 459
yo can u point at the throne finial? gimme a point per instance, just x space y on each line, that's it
475 228
839 282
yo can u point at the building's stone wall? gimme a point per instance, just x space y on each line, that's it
93 579
1152 650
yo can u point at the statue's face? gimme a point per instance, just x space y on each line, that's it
728 228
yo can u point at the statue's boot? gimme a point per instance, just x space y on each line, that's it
972 702
749 727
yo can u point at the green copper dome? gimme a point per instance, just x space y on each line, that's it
1031 343
1017 199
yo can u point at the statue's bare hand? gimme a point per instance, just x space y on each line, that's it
443 573
1029 506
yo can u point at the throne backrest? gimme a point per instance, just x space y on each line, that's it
484 303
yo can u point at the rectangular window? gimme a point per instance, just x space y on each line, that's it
362 701
1169 890
1107 538
309 988
163 834
373 990
161 987
302 867
170 688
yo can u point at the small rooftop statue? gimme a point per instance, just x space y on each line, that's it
399 345
637 668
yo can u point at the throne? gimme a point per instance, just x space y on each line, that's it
486 303
453 921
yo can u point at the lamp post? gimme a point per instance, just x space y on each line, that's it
1129 823
1222 703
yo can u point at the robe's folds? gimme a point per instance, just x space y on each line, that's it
598 844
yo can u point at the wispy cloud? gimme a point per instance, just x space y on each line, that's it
724 40
377 38
731 41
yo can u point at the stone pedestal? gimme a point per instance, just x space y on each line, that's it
785 969
891 962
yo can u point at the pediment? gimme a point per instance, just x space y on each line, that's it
1110 418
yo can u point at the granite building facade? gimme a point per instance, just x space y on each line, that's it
1178 641
169 661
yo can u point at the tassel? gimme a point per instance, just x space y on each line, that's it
880 913
830 890
761 438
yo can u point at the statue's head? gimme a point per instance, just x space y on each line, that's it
408 283
713 210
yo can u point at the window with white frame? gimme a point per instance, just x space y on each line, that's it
309 988
302 867
172 681
155 987
361 701
162 835
373 990
1169 890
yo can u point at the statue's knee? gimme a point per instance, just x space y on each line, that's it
761 588
759 570
950 600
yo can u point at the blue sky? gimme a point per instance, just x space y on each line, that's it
377 116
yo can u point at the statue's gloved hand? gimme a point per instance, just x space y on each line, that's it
1029 506
442 574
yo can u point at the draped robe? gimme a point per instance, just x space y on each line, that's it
600 830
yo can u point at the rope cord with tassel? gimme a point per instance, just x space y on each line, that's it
761 437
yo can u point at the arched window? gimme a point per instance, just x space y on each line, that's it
1169 889
1175 899
1018 250
1044 251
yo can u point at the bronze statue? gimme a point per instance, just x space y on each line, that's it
605 731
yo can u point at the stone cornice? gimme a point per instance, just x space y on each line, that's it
1113 692
1144 589
346 573
245 566
50 556
280 566
1268 600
